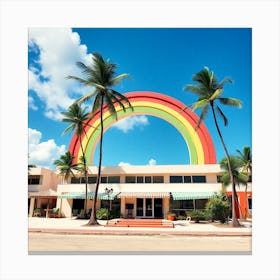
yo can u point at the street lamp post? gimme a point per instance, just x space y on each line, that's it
108 192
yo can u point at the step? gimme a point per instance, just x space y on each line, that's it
149 223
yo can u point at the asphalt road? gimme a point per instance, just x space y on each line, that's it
77 243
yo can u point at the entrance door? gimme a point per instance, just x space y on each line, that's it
158 207
78 205
139 207
149 207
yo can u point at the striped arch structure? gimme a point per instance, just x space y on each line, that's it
199 142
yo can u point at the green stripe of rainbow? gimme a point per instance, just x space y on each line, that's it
199 142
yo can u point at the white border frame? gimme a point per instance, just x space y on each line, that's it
18 16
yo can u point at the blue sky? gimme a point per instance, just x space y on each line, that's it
158 59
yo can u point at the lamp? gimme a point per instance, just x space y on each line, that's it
108 192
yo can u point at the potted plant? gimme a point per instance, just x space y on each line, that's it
171 216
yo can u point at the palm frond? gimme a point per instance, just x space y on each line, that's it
230 101
216 94
81 80
122 98
111 106
199 104
116 80
118 102
69 128
225 179
225 80
86 97
96 103
202 116
222 115
194 89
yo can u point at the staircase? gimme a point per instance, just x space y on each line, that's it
141 223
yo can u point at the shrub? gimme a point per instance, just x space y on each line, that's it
218 208
101 214
197 215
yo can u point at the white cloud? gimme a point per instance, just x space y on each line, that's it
43 154
124 164
152 161
130 123
31 104
60 49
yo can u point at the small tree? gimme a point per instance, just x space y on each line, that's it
234 176
218 208
246 158
66 166
77 117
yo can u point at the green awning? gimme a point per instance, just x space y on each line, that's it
191 195
90 195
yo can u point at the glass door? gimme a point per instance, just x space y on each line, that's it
149 207
139 207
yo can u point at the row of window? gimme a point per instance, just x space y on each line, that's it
92 180
187 179
133 179
144 179
140 179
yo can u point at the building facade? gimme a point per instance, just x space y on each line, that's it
149 191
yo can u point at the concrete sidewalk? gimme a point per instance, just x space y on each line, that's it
76 226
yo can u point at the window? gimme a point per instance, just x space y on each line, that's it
199 179
83 180
130 179
200 204
140 179
92 180
187 179
182 204
104 180
181 207
75 180
219 179
157 179
34 180
176 179
148 179
113 179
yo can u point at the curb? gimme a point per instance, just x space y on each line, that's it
147 232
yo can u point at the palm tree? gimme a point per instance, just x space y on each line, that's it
209 91
66 166
246 158
238 176
101 76
77 117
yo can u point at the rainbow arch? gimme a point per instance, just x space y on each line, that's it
199 142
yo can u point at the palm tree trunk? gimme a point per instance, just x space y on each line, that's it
235 222
93 219
86 175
